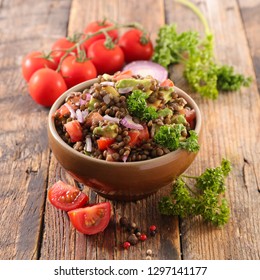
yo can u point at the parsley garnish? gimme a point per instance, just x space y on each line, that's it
137 106
203 74
204 199
169 136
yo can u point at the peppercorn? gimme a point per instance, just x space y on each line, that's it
153 232
152 228
149 252
143 237
123 222
126 245
132 239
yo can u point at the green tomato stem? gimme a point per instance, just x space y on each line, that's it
103 30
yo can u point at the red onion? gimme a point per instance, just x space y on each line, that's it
124 158
79 116
88 96
106 98
72 111
145 67
111 119
128 122
88 146
107 84
84 114
125 90
82 102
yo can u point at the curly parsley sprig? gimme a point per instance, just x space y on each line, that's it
203 74
204 199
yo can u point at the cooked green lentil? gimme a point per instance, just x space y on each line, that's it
118 119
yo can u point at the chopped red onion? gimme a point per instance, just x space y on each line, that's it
84 114
88 146
82 102
106 98
124 158
125 90
79 116
128 122
88 96
72 111
145 68
111 119
107 84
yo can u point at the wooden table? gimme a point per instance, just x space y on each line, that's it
32 229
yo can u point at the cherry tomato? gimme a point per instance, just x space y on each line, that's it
74 130
104 143
60 46
106 60
45 86
75 72
66 197
96 26
136 46
190 116
91 219
35 61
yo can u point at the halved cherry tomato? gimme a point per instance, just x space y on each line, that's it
66 197
91 219
134 135
167 83
104 143
123 75
74 130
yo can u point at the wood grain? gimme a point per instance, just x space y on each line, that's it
24 149
231 130
32 229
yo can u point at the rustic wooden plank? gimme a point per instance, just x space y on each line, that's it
250 14
231 130
60 241
24 149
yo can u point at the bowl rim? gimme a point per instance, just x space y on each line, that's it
80 87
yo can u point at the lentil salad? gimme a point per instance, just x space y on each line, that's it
126 118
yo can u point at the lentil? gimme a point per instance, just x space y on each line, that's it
124 147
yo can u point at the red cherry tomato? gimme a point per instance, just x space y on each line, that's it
45 86
136 46
106 60
35 61
74 130
96 26
60 46
75 72
91 219
66 197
